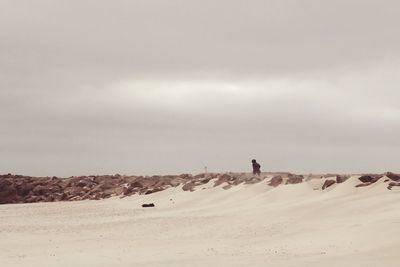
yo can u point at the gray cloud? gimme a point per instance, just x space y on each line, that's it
152 87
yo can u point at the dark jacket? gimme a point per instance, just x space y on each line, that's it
256 168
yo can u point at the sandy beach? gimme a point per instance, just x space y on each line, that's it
247 225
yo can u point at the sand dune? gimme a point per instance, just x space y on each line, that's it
247 225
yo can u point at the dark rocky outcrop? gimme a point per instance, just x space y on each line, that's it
341 178
370 178
294 179
235 179
189 186
328 183
275 181
365 178
393 176
26 189
393 184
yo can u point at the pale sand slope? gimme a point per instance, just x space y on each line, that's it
247 225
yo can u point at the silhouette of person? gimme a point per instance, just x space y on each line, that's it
256 167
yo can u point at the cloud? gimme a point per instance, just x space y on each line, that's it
263 37
170 86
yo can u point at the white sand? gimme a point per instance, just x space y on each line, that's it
247 225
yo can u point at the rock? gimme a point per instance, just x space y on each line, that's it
24 189
128 190
119 190
150 205
108 184
146 182
40 190
109 193
32 199
72 181
101 179
74 191
137 184
328 183
154 190
376 178
185 176
205 180
341 178
224 178
129 179
237 180
226 187
275 181
392 176
189 186
365 179
169 181
294 179
176 182
369 178
4 183
393 184
8 192
86 182
75 198
200 175
57 196
140 186
150 181
46 189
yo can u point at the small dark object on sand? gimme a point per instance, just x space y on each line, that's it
148 205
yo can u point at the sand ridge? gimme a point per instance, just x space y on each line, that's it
246 225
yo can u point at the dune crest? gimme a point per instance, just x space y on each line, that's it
26 189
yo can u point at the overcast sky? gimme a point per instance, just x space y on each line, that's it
168 87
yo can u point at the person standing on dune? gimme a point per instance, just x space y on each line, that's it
256 167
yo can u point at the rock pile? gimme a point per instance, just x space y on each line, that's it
25 189
232 179
395 179
368 180
392 178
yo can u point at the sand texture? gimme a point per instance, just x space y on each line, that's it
237 225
